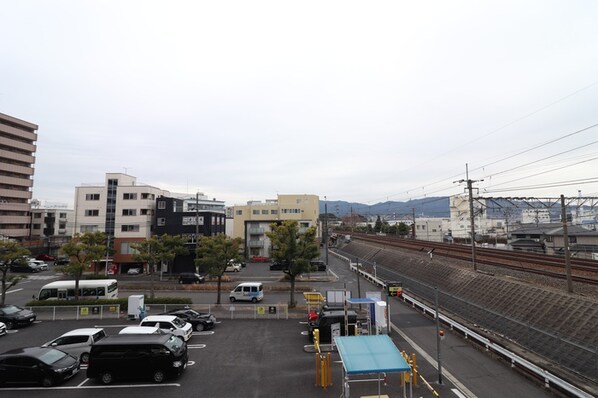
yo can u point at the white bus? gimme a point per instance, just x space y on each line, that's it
88 289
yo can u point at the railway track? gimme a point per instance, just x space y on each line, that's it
582 270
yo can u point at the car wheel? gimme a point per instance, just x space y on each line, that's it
232 299
9 324
85 357
47 381
254 300
106 377
158 376
199 327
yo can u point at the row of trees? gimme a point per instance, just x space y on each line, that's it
290 246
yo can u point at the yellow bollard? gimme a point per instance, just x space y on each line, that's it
414 367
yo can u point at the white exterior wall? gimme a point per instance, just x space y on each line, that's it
82 205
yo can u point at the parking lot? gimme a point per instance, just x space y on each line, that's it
239 358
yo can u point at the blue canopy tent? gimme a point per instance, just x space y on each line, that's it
369 355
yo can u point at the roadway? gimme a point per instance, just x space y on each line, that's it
266 358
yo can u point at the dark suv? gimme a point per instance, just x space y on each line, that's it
191 277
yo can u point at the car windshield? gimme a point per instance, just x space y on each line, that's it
174 344
178 322
11 309
51 356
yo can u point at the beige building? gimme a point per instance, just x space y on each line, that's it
17 158
121 207
252 221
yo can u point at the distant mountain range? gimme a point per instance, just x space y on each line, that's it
428 207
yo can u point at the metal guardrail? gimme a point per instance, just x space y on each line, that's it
76 312
516 360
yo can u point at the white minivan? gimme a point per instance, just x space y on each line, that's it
247 291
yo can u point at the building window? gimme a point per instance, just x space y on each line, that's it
129 228
273 211
37 215
62 215
129 196
238 212
146 195
304 225
265 212
89 228
92 196
92 213
125 248
255 212
161 205
37 226
145 212
62 225
129 212
161 221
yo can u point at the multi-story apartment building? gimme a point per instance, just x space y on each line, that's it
17 158
252 221
52 226
121 208
191 218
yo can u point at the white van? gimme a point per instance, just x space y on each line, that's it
247 291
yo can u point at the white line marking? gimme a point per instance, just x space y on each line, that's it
458 393
12 291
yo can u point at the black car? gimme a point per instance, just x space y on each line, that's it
199 320
37 365
317 265
21 266
279 266
62 260
191 277
13 316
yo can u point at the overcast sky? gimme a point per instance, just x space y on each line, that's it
359 101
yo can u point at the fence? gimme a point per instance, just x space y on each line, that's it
223 311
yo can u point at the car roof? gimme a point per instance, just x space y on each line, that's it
83 331
128 339
158 318
141 330
33 351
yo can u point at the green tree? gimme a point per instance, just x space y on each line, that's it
158 250
215 253
404 229
378 225
294 249
83 250
10 252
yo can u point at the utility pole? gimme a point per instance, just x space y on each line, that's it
566 245
413 226
471 215
326 229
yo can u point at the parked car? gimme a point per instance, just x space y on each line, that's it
12 316
134 271
169 324
191 277
199 320
24 266
77 342
259 259
45 257
278 266
317 265
37 365
233 267
62 260
137 356
141 330
38 263
2 329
